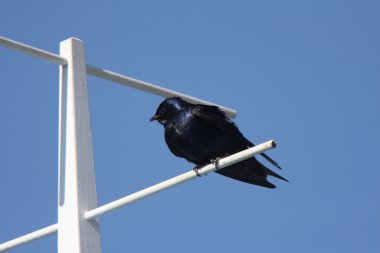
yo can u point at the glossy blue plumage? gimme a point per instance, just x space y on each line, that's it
201 133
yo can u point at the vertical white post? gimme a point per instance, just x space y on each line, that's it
76 182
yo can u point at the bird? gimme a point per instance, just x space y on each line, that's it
202 134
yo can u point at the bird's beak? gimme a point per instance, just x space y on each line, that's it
155 117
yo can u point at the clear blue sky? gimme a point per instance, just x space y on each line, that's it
305 73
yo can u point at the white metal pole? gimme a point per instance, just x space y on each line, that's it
109 75
28 237
151 88
36 52
222 163
76 183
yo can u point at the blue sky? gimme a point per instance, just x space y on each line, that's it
305 73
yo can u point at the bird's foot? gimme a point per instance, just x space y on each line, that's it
196 170
216 163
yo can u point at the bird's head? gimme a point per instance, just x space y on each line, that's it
168 109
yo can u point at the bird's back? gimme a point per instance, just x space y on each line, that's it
192 139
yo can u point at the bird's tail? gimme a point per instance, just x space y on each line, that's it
274 174
250 171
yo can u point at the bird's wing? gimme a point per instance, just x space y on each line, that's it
216 117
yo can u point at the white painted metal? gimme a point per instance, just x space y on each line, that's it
39 53
78 228
28 237
76 184
94 213
109 75
151 88
227 161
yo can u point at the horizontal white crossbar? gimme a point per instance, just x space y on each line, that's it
36 52
28 237
109 75
227 161
151 88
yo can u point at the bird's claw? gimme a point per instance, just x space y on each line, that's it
196 170
216 163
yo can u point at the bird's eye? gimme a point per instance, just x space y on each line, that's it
163 110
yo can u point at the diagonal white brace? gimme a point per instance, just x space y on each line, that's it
36 52
224 162
109 75
28 237
151 88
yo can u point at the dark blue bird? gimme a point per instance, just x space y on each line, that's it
203 133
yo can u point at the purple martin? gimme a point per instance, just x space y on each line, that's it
203 133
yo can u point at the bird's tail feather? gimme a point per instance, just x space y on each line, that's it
246 177
271 160
273 174
250 171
